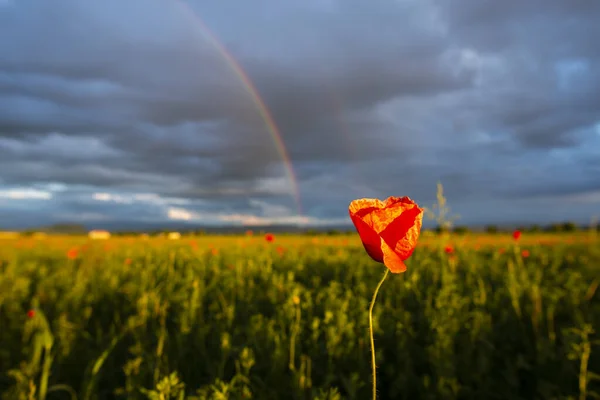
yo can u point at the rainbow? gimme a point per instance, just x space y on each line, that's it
261 107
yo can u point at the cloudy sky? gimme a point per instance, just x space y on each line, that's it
147 110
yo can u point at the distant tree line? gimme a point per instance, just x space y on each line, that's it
559 227
567 226
58 229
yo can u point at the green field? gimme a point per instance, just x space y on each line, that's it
240 318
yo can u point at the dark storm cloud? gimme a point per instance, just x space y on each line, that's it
498 100
549 83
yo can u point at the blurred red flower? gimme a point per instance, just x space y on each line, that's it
388 229
269 237
72 253
516 234
525 253
30 313
449 249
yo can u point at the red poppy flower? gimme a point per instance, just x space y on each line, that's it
269 237
388 229
72 253
525 253
30 313
449 249
517 234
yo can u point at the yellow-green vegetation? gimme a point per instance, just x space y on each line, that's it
474 317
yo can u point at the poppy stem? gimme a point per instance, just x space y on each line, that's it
373 365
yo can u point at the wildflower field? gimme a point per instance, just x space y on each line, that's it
239 317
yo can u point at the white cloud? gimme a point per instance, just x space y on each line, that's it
148 198
115 198
25 194
182 214
301 220
154 198
252 220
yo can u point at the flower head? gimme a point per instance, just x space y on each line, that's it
30 314
516 234
269 237
388 229
72 253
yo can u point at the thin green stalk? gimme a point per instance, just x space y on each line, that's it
373 365
583 366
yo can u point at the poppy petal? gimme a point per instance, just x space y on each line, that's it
370 239
402 233
391 259
361 207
